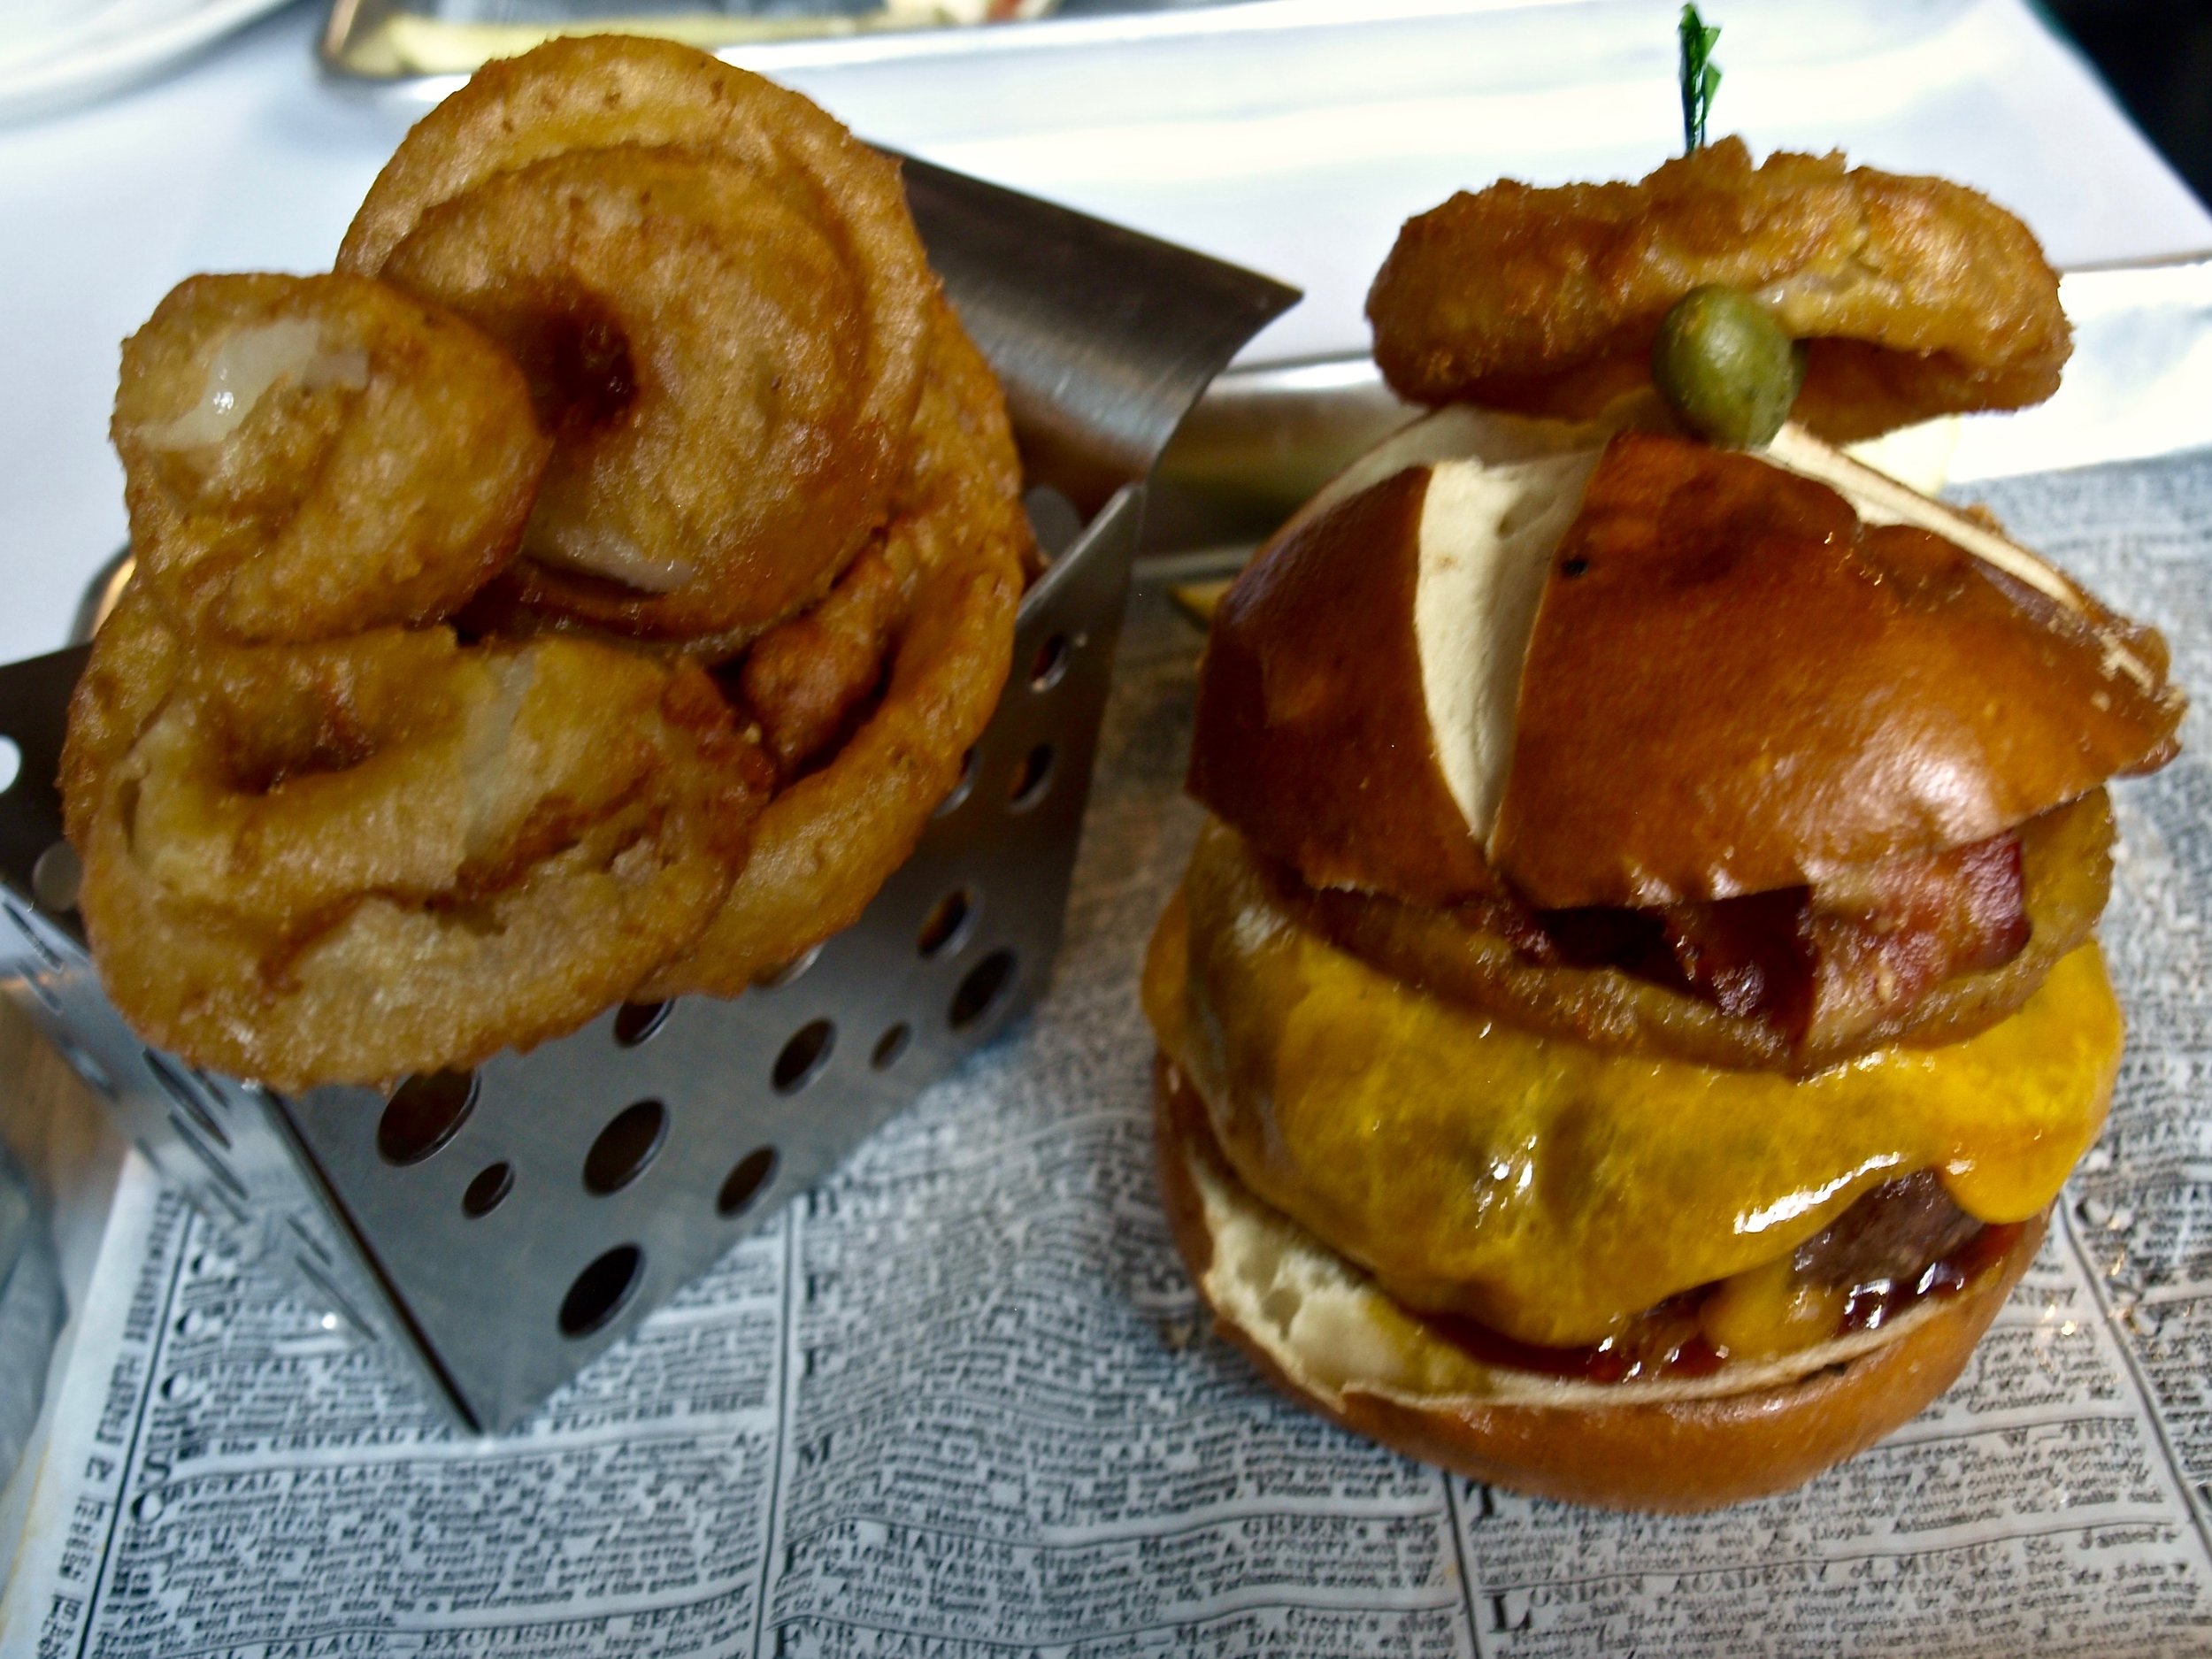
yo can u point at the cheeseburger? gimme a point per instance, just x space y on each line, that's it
1634 1000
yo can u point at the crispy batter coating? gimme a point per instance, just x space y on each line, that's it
304 456
1917 296
696 348
805 680
660 381
1457 958
958 545
345 861
662 314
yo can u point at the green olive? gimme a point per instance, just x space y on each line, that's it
1727 368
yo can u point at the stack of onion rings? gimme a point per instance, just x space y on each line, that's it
958 551
587 594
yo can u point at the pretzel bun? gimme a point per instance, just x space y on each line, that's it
1322 1333
1357 700
1606 666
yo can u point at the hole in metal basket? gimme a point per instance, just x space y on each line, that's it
55 877
776 979
743 1183
1049 667
188 1098
1031 780
490 1187
946 924
423 1114
635 1022
10 764
601 1289
804 1055
961 786
890 1045
981 991
624 1147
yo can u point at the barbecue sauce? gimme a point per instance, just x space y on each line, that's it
1668 1342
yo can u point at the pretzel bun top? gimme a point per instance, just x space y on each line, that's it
1637 670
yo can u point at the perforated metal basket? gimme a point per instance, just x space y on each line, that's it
586 1181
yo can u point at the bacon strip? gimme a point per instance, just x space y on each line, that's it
1818 962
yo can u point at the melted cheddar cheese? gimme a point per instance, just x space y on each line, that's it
1553 1192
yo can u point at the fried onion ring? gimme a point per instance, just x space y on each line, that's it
959 545
1453 957
688 336
804 681
806 441
344 861
1917 296
304 456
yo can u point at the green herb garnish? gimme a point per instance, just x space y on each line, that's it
1700 77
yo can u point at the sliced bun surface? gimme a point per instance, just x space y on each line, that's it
1311 730
1322 1333
1464 432
1487 539
1735 684
1669 675
1550 1191
1356 706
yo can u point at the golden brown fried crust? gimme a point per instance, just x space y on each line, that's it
321 847
383 477
1918 297
804 680
959 544
1683 1455
346 861
2066 858
698 353
534 152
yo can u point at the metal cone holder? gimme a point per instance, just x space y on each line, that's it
502 1227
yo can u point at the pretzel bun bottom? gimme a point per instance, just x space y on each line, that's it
1320 1329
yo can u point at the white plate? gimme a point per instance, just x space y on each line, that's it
72 59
